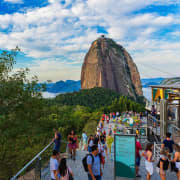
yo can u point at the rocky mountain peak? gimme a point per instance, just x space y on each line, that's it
107 64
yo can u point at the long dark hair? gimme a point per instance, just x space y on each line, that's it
90 138
149 147
63 167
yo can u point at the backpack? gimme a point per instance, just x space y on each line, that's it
84 161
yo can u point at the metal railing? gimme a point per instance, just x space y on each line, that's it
39 165
153 124
157 150
175 131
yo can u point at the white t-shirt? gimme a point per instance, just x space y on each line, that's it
91 143
54 164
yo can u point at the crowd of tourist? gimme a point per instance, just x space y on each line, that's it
100 144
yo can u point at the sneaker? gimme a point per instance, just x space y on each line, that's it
138 175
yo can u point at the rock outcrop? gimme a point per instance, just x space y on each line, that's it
109 65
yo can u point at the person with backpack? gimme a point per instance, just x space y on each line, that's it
93 161
163 163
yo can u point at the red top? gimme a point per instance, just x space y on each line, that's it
138 148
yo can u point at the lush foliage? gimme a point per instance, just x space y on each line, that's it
26 122
124 104
93 98
99 98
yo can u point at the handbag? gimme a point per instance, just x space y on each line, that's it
70 175
173 167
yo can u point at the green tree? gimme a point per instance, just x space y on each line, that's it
21 116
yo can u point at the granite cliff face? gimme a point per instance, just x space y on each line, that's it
109 65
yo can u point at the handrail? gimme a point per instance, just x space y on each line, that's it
19 172
152 117
32 160
175 127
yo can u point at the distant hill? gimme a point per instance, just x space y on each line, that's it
63 86
151 81
71 85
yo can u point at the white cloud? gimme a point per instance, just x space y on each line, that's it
56 70
14 1
54 30
151 19
176 33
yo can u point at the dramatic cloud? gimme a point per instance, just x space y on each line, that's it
62 31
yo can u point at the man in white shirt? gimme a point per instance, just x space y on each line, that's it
54 164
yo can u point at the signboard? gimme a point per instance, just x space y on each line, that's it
124 156
160 93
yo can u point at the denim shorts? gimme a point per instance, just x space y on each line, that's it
138 159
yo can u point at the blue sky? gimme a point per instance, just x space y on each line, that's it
54 35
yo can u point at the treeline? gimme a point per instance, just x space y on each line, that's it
99 98
93 98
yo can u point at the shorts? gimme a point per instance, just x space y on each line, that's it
149 167
138 159
178 165
89 149
72 146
